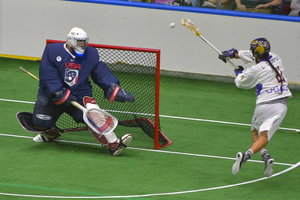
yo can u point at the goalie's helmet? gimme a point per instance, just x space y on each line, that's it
77 39
260 47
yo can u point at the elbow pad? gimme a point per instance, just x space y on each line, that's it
116 93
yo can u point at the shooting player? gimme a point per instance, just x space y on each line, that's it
272 97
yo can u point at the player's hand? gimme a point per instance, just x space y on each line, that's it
228 54
64 97
239 70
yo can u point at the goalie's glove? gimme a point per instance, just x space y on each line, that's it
230 53
64 97
116 93
239 70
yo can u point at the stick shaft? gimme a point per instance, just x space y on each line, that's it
219 52
30 74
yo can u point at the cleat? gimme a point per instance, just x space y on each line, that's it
117 147
238 163
269 161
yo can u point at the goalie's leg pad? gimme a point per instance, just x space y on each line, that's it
117 147
24 118
100 138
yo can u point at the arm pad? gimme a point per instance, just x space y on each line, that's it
64 97
116 93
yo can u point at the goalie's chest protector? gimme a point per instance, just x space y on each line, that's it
74 72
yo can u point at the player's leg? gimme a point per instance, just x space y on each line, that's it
241 158
115 145
45 115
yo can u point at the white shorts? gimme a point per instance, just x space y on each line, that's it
269 116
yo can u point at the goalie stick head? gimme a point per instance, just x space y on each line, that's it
100 121
78 39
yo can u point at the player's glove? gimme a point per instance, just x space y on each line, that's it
116 93
230 53
239 70
64 97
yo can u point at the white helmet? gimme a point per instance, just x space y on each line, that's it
77 39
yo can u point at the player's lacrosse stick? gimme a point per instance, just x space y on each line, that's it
190 25
97 119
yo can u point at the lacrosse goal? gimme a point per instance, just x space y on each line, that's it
138 70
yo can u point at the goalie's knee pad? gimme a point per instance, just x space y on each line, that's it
90 102
24 118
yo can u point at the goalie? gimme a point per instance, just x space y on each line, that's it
64 77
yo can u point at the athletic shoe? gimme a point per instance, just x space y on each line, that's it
117 147
47 135
238 163
40 138
268 165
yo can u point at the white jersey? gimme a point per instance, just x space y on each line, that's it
263 77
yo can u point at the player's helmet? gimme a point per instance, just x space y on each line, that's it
260 47
77 39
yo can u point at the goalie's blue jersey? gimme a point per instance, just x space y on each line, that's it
59 69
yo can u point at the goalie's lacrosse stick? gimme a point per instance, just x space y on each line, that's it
98 120
190 25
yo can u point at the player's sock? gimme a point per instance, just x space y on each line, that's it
264 153
248 154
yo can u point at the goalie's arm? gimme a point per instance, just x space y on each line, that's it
116 93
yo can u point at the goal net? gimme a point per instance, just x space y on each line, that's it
138 70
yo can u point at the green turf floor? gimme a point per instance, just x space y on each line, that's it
206 121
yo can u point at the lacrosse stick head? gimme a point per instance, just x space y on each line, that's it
190 25
100 121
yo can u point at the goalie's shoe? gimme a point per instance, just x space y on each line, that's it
40 138
47 135
238 163
117 147
269 161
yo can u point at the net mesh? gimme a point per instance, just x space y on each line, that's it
136 71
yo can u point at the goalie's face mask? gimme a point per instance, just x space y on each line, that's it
77 39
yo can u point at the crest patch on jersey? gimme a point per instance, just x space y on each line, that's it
71 76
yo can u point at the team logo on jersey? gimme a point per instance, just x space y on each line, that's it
58 58
71 76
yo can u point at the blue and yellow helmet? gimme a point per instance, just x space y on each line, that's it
260 47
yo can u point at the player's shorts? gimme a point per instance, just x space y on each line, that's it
269 116
46 113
